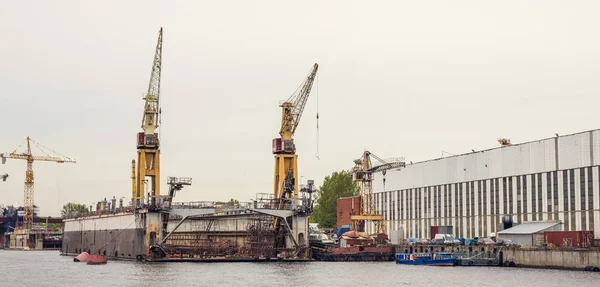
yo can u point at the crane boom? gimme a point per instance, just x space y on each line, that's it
150 120
41 158
294 106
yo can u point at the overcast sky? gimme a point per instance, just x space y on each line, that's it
399 78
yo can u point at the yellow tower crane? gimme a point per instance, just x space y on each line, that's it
148 146
30 158
362 174
284 149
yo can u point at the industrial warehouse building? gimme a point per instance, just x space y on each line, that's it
550 179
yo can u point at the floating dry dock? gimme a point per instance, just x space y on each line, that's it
200 231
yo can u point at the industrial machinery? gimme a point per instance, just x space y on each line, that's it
30 158
148 145
504 142
284 149
4 177
175 184
362 174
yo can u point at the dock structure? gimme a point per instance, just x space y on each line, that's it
195 231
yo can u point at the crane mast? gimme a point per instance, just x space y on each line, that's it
284 149
148 169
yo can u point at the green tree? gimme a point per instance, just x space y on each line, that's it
73 210
336 185
232 202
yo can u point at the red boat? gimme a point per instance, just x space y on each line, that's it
96 259
90 259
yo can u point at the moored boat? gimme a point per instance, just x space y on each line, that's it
431 259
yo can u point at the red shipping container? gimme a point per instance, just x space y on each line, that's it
347 207
577 239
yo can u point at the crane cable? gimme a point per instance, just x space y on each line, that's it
317 155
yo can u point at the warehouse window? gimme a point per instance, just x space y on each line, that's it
401 210
583 202
555 194
572 188
492 198
572 196
497 192
549 194
471 220
510 195
472 198
450 200
565 191
460 193
539 197
456 214
445 201
566 200
418 215
467 188
408 204
439 201
532 195
582 187
484 197
519 196
505 198
479 193
392 205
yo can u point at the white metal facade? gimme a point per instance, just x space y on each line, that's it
551 179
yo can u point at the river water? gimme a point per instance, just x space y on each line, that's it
48 268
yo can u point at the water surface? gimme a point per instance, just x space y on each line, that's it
48 268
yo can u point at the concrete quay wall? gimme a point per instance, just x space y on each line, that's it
555 258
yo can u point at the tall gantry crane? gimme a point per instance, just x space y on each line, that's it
148 169
284 149
362 174
30 158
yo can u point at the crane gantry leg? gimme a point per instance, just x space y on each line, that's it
148 169
286 174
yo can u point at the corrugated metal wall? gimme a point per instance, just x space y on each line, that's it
574 151
527 177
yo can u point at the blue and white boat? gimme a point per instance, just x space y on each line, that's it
431 259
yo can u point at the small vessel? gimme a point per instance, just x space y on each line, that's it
431 259
96 259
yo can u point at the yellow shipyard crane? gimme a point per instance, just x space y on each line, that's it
30 158
286 161
362 174
148 145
